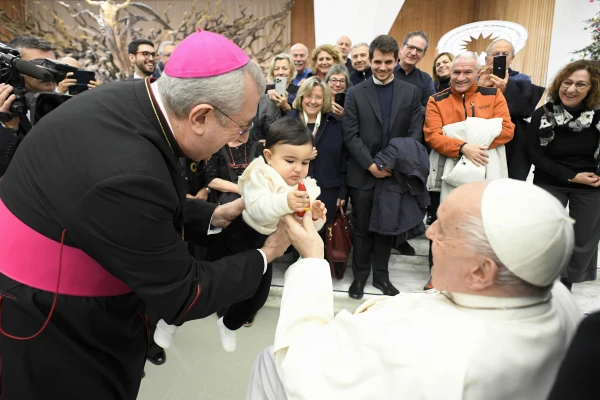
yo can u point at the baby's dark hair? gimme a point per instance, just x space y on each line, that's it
288 131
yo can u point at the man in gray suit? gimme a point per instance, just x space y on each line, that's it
377 110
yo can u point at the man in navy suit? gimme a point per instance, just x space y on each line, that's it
375 111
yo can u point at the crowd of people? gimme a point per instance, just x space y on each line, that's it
158 191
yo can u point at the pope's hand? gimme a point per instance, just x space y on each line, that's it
304 236
277 243
226 213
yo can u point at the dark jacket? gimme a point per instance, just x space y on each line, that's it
268 112
421 79
9 141
363 129
399 201
521 97
357 77
330 166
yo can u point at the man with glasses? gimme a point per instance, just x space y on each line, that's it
521 95
165 49
97 182
413 50
143 58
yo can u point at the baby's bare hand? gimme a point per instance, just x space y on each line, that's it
297 200
318 210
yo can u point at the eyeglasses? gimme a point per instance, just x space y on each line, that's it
578 85
147 54
419 50
337 81
244 130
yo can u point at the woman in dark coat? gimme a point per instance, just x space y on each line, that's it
313 107
564 145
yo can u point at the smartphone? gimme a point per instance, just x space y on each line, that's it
280 85
340 98
83 78
500 66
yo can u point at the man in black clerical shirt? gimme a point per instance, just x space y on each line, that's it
376 111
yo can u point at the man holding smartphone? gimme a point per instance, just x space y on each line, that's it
521 96
71 82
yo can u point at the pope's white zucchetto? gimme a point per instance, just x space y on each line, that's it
528 229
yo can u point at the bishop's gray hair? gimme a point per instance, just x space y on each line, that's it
475 239
469 55
225 92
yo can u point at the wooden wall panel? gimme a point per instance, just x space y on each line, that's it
303 23
535 15
436 17
16 10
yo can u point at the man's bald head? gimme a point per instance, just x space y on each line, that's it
500 47
300 56
71 61
344 44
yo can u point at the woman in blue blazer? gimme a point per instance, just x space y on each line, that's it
313 107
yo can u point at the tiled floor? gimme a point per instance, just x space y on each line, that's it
200 369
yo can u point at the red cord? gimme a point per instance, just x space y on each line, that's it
62 242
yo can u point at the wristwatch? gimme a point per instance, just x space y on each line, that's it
380 167
13 130
207 190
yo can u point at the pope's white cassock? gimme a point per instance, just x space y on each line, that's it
429 345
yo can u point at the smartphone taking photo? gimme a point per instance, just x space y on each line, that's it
280 85
500 66
83 78
340 98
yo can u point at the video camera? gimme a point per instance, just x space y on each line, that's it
46 70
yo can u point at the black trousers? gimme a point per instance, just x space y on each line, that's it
236 238
370 249
584 208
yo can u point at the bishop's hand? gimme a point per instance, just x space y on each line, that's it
226 213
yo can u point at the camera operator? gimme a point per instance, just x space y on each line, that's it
64 85
30 49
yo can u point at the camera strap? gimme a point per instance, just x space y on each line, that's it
5 117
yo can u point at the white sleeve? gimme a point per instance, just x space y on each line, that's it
264 206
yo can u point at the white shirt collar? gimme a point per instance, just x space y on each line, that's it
378 82
317 121
161 104
136 76
522 305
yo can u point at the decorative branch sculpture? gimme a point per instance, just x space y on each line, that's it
99 40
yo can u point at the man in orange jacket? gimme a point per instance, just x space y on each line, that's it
461 100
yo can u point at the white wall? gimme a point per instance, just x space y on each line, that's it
361 20
567 32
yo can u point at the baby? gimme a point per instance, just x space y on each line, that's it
269 188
